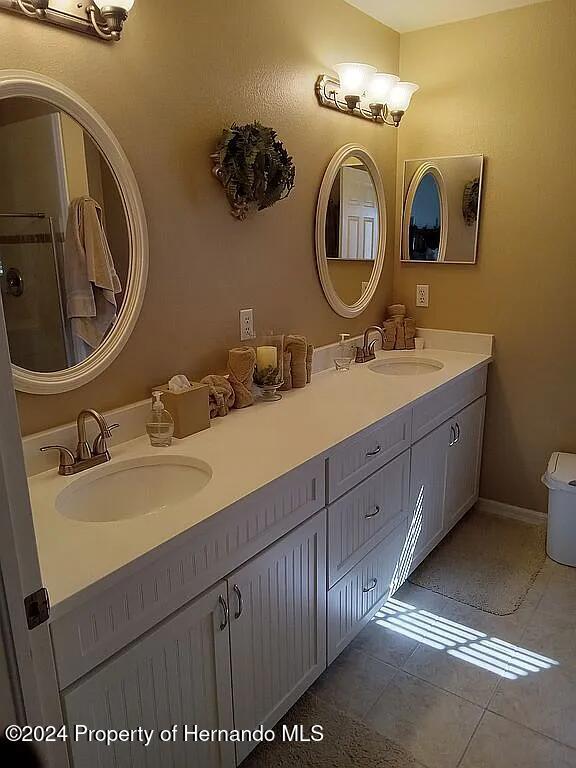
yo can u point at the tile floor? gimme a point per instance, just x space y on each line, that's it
461 688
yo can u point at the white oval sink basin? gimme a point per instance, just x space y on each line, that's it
406 366
133 488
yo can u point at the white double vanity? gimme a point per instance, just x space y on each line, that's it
223 606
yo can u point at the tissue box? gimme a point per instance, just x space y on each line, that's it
190 410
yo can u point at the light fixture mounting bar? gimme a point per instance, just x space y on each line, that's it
328 94
70 14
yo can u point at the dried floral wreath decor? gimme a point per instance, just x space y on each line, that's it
470 200
254 168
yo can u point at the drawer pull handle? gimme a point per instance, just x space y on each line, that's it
452 436
457 430
371 587
238 594
374 452
370 515
225 613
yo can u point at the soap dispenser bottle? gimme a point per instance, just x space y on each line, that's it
160 425
345 353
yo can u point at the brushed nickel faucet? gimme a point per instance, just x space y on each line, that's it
86 455
367 352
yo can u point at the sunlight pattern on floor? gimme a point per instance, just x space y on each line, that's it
470 645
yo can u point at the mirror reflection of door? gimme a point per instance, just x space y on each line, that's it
352 230
47 161
426 221
358 214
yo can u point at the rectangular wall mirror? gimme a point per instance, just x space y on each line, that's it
441 209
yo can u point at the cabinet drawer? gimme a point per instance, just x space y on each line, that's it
365 515
206 553
357 596
442 404
363 454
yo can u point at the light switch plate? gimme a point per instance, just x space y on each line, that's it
422 295
246 324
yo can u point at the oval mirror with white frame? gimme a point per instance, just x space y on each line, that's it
73 236
351 230
441 209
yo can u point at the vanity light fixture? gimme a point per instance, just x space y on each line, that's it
113 16
99 18
35 8
362 91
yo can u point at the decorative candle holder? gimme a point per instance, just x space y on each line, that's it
269 392
269 373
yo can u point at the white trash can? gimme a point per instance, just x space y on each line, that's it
560 479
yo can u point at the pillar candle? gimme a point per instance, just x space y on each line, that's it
266 357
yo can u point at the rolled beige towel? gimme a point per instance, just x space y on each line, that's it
400 334
298 348
287 372
309 359
397 310
389 341
220 395
241 364
410 332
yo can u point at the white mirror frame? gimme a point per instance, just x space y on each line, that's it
22 84
346 310
424 170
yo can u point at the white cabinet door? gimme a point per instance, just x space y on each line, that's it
428 492
177 674
278 627
464 460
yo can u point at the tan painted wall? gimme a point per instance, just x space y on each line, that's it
504 85
167 90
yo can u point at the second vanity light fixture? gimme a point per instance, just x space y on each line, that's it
101 18
362 91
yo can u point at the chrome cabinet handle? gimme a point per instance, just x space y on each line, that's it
457 432
452 436
372 587
374 453
225 613
370 515
238 594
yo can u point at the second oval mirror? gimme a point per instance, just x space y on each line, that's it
350 230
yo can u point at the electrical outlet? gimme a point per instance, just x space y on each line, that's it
422 295
246 324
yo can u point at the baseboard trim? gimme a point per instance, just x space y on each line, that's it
508 510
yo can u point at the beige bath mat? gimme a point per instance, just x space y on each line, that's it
487 561
346 744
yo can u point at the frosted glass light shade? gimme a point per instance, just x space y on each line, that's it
380 87
401 96
354 78
127 5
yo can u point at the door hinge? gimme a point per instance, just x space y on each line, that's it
37 607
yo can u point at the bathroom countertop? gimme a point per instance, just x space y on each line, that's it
246 450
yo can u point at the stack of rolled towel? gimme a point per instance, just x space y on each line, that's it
399 330
235 389
297 362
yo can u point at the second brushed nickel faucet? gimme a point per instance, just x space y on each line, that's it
86 455
367 351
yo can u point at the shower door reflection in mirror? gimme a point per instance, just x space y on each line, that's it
64 239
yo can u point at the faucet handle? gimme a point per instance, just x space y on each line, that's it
67 458
99 445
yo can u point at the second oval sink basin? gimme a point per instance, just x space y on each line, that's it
133 488
406 366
